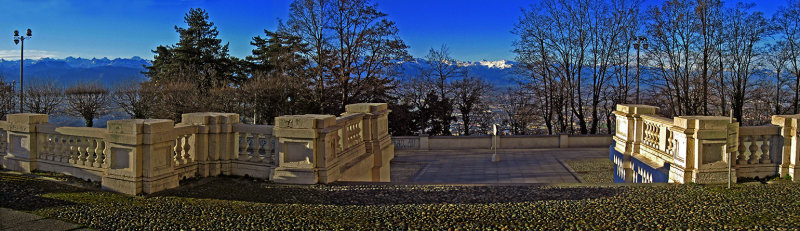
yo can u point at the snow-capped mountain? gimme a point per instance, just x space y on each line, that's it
499 73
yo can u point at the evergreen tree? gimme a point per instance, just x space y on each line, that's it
199 56
280 83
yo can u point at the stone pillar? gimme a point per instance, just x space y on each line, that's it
306 147
376 137
216 142
629 130
790 159
141 156
423 142
21 137
563 141
700 154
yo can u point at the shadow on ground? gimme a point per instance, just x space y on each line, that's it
23 192
244 189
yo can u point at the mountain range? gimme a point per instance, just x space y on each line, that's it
109 72
72 70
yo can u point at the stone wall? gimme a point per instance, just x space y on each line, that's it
503 142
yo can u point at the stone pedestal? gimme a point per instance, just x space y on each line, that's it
303 153
376 137
216 141
790 161
22 139
141 156
700 150
629 130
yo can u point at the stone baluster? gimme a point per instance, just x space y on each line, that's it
743 149
91 156
754 148
64 149
73 150
55 148
45 152
186 147
99 156
177 154
765 149
256 154
268 150
243 145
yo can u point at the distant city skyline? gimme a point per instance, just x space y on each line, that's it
473 29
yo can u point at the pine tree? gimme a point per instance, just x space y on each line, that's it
280 82
199 56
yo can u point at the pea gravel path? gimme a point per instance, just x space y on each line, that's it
226 203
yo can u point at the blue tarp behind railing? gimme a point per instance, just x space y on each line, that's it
642 173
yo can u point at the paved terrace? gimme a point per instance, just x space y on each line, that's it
475 166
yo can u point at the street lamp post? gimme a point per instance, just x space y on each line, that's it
637 42
20 39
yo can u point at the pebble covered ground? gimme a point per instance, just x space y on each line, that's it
593 170
229 203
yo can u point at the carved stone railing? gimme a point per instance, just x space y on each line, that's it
83 148
758 151
256 143
349 133
146 156
657 137
700 148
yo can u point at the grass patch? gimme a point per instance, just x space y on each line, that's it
593 170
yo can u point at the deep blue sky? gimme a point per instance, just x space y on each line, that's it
473 29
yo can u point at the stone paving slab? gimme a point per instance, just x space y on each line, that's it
16 220
476 167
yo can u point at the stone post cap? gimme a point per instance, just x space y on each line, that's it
139 126
366 107
639 109
703 122
209 118
305 121
27 118
785 120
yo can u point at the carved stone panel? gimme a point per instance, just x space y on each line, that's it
120 158
20 146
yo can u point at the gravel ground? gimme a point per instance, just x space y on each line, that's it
593 170
227 203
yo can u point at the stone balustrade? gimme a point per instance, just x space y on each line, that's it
650 148
147 156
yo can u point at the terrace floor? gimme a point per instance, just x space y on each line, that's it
476 167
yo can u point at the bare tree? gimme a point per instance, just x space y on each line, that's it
87 100
744 30
171 99
777 59
8 97
787 19
43 96
133 99
352 43
469 93
519 110
442 68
